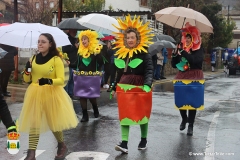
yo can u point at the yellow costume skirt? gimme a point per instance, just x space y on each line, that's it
46 108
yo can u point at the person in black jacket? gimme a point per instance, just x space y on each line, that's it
71 51
137 73
193 53
5 115
7 66
87 64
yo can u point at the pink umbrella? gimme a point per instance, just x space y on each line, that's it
4 24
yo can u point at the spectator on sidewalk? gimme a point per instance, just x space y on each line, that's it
165 60
225 61
7 66
159 65
213 60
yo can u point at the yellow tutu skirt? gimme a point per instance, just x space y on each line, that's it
46 108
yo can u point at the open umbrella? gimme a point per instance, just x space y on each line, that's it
4 24
167 44
165 37
25 35
99 22
177 17
70 23
155 48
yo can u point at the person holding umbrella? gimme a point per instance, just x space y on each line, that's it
188 60
134 79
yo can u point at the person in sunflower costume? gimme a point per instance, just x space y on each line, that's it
87 74
46 106
189 81
134 79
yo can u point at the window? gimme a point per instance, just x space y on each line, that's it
51 4
37 5
144 2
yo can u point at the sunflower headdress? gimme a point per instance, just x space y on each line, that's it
195 34
93 46
142 32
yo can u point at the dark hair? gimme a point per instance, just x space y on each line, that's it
188 35
53 49
132 30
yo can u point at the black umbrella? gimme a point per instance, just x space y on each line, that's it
165 37
155 48
70 23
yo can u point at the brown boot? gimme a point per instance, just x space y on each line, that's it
30 154
61 152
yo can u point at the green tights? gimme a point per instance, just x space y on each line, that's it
125 131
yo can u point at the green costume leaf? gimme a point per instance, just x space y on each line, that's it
127 121
180 65
126 87
119 63
135 62
146 88
86 61
184 59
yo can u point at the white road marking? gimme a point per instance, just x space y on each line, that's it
94 155
38 152
211 137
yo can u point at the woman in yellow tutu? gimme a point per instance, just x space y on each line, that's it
46 104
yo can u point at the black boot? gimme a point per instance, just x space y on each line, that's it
95 111
190 129
85 116
183 124
30 154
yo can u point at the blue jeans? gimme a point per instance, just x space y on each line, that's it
157 71
69 87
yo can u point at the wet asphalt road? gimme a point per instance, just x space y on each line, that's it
216 130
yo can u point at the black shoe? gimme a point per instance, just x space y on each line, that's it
190 130
85 116
122 147
143 144
95 111
7 94
183 124
163 78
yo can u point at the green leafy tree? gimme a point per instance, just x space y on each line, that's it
222 28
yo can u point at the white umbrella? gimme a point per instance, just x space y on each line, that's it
25 35
177 17
99 22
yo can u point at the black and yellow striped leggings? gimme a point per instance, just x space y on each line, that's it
34 138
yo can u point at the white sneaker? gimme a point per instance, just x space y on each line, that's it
106 86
